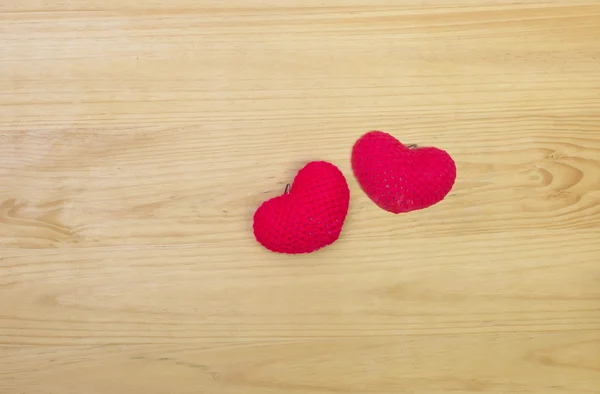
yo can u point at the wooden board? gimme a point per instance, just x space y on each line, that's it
138 137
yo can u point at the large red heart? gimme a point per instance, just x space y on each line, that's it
400 178
310 216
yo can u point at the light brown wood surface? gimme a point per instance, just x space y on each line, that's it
138 137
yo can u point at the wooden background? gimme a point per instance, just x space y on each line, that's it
138 137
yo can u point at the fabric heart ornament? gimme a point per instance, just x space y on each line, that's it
401 178
308 216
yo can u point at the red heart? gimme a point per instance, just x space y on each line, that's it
399 178
310 216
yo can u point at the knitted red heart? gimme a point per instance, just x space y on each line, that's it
399 178
310 216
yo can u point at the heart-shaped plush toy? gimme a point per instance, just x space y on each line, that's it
307 217
401 178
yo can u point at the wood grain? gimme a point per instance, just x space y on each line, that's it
137 139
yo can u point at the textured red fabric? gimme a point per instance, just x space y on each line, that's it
398 178
310 216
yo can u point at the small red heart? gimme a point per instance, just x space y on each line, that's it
310 216
399 178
